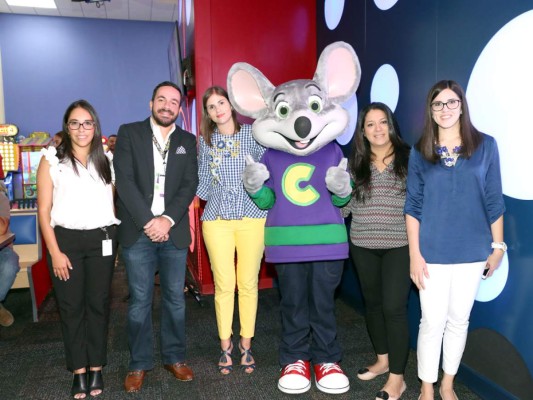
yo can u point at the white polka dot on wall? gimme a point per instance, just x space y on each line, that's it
499 97
385 4
386 86
349 105
333 12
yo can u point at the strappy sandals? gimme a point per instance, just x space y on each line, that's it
249 367
225 362
225 358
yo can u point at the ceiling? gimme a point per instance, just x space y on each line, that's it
139 10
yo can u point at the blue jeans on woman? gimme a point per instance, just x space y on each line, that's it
143 259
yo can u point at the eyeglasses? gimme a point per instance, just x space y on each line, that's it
452 104
74 125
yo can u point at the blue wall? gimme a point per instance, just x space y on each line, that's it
426 41
48 62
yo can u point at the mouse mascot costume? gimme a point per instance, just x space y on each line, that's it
305 235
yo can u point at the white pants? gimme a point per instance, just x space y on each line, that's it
446 303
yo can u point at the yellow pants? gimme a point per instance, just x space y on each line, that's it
222 238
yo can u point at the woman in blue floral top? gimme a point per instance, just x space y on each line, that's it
231 222
454 216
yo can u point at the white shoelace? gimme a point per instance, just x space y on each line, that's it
298 366
327 367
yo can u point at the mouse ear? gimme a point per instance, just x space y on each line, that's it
248 89
338 71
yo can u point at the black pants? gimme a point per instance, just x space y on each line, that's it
385 283
83 299
308 311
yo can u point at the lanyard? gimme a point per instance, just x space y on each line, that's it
162 152
104 229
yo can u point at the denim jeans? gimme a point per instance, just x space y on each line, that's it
143 259
9 267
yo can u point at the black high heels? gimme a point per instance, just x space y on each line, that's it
96 381
79 384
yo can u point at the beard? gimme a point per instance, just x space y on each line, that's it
167 121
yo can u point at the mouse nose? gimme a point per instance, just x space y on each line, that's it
302 126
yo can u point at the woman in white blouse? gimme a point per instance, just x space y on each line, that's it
78 224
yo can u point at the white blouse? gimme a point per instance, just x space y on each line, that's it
81 201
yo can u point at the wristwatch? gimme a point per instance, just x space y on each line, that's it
499 245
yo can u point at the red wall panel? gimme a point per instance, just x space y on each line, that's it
278 37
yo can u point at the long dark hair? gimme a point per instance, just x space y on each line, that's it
207 126
470 136
96 151
361 154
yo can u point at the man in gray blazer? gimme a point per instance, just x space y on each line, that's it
156 178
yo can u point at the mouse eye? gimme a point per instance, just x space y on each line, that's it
282 109
315 104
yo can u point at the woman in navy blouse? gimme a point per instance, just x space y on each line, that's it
454 214
231 222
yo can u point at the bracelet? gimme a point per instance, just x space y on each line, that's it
499 245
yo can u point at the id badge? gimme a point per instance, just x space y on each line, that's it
160 185
107 247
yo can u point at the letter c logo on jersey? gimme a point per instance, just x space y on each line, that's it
292 188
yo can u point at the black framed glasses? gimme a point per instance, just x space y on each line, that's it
452 104
74 125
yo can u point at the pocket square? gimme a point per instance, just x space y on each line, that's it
181 150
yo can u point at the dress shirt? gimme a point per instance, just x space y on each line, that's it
158 203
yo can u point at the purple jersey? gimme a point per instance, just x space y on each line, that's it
303 224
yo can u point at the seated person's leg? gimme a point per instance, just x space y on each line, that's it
9 267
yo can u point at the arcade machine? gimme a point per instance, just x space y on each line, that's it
30 156
10 153
20 162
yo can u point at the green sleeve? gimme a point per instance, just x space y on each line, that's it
264 198
340 201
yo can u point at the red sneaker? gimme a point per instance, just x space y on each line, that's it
295 378
329 378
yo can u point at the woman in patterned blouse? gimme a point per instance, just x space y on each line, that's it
378 241
231 222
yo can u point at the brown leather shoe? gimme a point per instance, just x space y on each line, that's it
181 371
134 381
6 318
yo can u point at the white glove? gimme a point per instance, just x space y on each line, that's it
254 175
338 179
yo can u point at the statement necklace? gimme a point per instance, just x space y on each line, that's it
448 159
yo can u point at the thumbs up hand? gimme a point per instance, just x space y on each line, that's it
338 179
254 175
